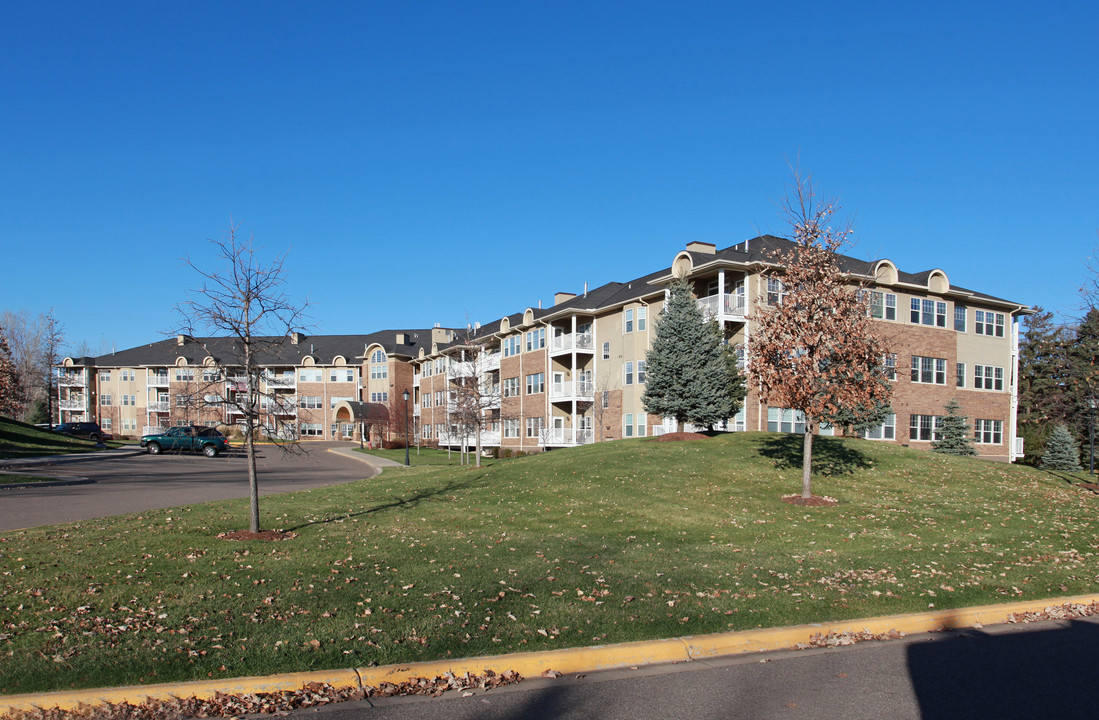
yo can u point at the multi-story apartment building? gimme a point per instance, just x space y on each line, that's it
574 373
325 387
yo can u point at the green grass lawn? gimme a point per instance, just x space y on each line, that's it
19 440
8 478
606 543
426 456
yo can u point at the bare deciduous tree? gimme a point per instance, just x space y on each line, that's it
816 350
246 301
477 394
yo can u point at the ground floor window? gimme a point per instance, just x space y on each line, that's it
312 429
785 420
511 428
923 428
988 432
886 431
534 427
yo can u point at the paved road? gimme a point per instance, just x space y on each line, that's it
145 482
1041 670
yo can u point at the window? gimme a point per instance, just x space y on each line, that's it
959 317
438 398
891 366
928 312
988 323
642 316
105 400
312 429
129 375
606 399
334 400
129 423
986 377
536 339
311 375
512 345
928 370
536 383
629 373
785 420
628 430
379 372
341 375
310 401
886 431
883 305
640 372
629 320
923 428
378 356
606 351
185 374
183 400
775 291
511 428
426 400
210 376
379 397
641 421
960 375
104 376
129 400
510 387
105 423
988 432
426 432
425 369
534 427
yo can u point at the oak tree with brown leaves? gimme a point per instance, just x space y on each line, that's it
11 388
815 349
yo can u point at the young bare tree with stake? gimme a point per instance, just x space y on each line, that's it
246 301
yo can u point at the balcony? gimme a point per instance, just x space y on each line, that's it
415 379
566 437
157 380
159 406
71 404
154 430
416 409
581 342
490 361
572 390
280 381
729 306
72 380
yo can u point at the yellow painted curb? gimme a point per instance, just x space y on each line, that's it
572 660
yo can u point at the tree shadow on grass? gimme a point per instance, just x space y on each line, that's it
402 502
831 456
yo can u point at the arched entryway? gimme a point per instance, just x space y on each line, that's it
366 421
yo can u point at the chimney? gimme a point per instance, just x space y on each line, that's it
561 297
180 340
703 248
439 335
295 338
402 338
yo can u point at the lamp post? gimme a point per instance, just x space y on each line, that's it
406 459
1091 433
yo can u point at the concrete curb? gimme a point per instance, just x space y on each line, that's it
60 482
125 451
571 660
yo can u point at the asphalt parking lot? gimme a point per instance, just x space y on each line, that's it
145 482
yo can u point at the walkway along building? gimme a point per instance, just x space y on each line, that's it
574 373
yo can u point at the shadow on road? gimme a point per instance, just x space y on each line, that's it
1035 674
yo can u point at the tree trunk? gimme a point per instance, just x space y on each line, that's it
807 459
478 462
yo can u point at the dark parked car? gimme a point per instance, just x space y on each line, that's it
186 437
88 430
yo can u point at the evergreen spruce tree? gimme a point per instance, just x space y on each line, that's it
690 374
954 436
1061 451
1045 390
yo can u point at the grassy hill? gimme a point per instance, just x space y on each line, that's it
606 543
18 440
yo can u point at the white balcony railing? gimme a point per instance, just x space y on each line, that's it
159 406
416 409
722 306
280 381
581 389
415 379
157 380
571 341
70 404
72 380
153 430
567 436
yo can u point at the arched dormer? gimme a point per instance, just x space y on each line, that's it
375 353
209 361
683 265
505 325
938 283
67 362
339 361
421 355
181 361
528 316
308 361
885 273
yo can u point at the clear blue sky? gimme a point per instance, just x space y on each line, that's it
444 162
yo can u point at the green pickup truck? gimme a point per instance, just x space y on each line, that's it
186 437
